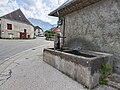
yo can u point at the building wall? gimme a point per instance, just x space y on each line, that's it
39 32
96 27
17 27
0 28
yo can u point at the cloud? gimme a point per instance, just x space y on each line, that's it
7 6
38 9
30 2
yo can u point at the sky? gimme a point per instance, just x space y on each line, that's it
38 9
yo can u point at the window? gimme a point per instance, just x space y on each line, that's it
25 30
9 26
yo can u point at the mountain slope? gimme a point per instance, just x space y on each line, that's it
40 23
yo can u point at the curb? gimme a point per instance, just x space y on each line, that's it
6 62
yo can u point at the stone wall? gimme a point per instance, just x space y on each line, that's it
81 68
96 27
17 27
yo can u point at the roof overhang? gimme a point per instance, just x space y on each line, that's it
71 6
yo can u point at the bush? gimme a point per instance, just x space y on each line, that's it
49 35
105 70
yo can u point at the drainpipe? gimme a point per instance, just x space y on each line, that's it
63 31
63 21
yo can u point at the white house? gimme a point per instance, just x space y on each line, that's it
15 25
39 31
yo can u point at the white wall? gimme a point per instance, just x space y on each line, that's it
39 32
17 27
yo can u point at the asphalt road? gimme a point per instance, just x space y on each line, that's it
9 48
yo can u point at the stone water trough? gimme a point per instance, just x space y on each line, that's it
83 66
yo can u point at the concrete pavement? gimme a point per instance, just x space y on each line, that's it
28 71
11 47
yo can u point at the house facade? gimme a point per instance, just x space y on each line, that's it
15 25
39 31
91 25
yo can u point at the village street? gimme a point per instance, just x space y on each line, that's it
11 47
77 45
27 70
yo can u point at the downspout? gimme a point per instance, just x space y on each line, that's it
63 31
63 21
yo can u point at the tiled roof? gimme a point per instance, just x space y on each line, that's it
17 15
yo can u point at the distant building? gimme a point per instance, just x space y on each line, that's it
15 25
55 29
39 31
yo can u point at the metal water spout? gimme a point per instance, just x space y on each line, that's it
57 41
78 48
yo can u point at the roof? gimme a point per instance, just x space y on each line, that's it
55 29
17 15
70 6
37 27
